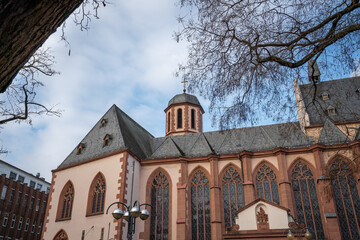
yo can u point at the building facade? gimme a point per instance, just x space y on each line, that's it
23 202
231 184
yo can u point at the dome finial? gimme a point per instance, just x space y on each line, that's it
184 82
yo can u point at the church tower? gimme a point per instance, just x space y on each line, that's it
183 115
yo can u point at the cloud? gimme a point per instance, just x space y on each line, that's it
127 58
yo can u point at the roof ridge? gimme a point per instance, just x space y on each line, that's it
330 126
88 133
136 123
178 148
201 135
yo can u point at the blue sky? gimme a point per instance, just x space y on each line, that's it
127 58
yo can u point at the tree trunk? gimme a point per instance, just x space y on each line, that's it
24 27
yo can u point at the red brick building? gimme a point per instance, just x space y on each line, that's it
22 209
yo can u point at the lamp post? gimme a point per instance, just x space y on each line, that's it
132 211
297 229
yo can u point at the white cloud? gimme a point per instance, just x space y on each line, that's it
128 57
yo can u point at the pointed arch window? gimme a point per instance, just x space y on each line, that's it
179 118
159 221
66 202
307 206
233 195
266 184
96 198
61 235
200 207
347 199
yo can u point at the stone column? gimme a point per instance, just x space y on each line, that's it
325 197
249 191
284 183
215 198
182 233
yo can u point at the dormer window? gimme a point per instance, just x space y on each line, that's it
325 96
107 140
103 122
331 111
80 148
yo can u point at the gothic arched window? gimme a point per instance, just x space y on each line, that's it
159 221
233 195
66 202
61 235
179 118
200 207
266 184
307 206
346 198
97 195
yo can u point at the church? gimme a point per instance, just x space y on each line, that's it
245 183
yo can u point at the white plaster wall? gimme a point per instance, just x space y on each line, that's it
278 218
224 163
146 171
256 161
346 153
192 166
307 156
81 177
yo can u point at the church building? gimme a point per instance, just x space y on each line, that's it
244 183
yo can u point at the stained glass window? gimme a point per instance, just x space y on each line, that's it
67 200
307 207
346 198
98 194
159 221
266 184
200 207
233 195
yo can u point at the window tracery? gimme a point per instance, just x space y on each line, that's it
266 184
346 198
233 195
66 201
159 221
200 207
307 207
61 235
98 194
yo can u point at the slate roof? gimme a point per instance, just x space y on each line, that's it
184 98
286 135
125 134
330 134
343 96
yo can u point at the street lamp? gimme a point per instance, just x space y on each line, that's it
131 212
298 229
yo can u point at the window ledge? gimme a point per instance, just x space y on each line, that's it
94 214
62 219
